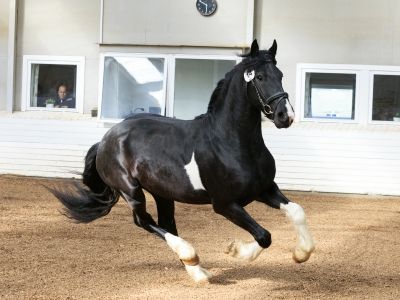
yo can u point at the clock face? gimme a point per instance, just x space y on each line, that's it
206 7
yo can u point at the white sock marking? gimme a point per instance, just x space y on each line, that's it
193 173
296 214
186 252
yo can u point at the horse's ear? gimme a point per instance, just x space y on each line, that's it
272 50
254 48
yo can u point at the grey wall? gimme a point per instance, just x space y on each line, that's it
175 23
313 31
4 11
72 28
335 31
59 27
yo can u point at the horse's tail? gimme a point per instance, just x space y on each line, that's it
88 204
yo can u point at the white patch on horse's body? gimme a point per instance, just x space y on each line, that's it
290 111
188 255
193 173
248 251
305 243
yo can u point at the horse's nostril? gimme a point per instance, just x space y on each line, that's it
281 115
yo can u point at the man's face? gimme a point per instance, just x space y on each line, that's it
62 92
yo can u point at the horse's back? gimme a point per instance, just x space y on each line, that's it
154 150
160 133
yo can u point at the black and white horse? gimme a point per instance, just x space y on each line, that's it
219 158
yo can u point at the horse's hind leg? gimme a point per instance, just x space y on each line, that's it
136 200
305 244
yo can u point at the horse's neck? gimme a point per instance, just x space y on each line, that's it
237 118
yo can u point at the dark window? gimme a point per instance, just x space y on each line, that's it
53 86
386 98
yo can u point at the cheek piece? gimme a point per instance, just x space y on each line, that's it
264 101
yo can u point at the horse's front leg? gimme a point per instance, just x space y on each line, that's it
244 250
305 243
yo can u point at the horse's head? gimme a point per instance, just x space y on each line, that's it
264 85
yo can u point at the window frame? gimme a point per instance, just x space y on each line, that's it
303 69
386 71
29 60
128 54
174 57
364 90
169 75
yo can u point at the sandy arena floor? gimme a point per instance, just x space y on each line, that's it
45 256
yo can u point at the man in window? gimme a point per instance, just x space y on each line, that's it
63 99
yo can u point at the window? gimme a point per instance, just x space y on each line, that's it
386 97
348 93
53 83
329 96
195 80
133 85
137 83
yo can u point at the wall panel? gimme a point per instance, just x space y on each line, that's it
176 23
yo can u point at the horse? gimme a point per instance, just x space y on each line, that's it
218 158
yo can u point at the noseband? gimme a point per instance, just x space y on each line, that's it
266 104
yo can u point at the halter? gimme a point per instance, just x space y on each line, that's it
266 105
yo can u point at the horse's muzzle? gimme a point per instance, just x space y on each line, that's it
284 114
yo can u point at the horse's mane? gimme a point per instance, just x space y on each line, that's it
248 61
218 94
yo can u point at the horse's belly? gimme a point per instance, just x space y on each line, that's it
172 181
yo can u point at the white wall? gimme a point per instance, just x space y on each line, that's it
61 28
344 158
49 148
329 32
4 11
333 157
329 158
310 156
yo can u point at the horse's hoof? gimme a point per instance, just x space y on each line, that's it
231 249
198 274
247 251
300 255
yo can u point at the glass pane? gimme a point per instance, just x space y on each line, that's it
330 96
195 80
386 98
132 85
53 86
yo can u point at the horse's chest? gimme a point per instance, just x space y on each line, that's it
240 177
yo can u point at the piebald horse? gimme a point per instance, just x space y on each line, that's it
219 158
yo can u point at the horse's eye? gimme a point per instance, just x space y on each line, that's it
259 77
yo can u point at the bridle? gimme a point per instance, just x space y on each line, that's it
266 105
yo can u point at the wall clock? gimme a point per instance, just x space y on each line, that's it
206 7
